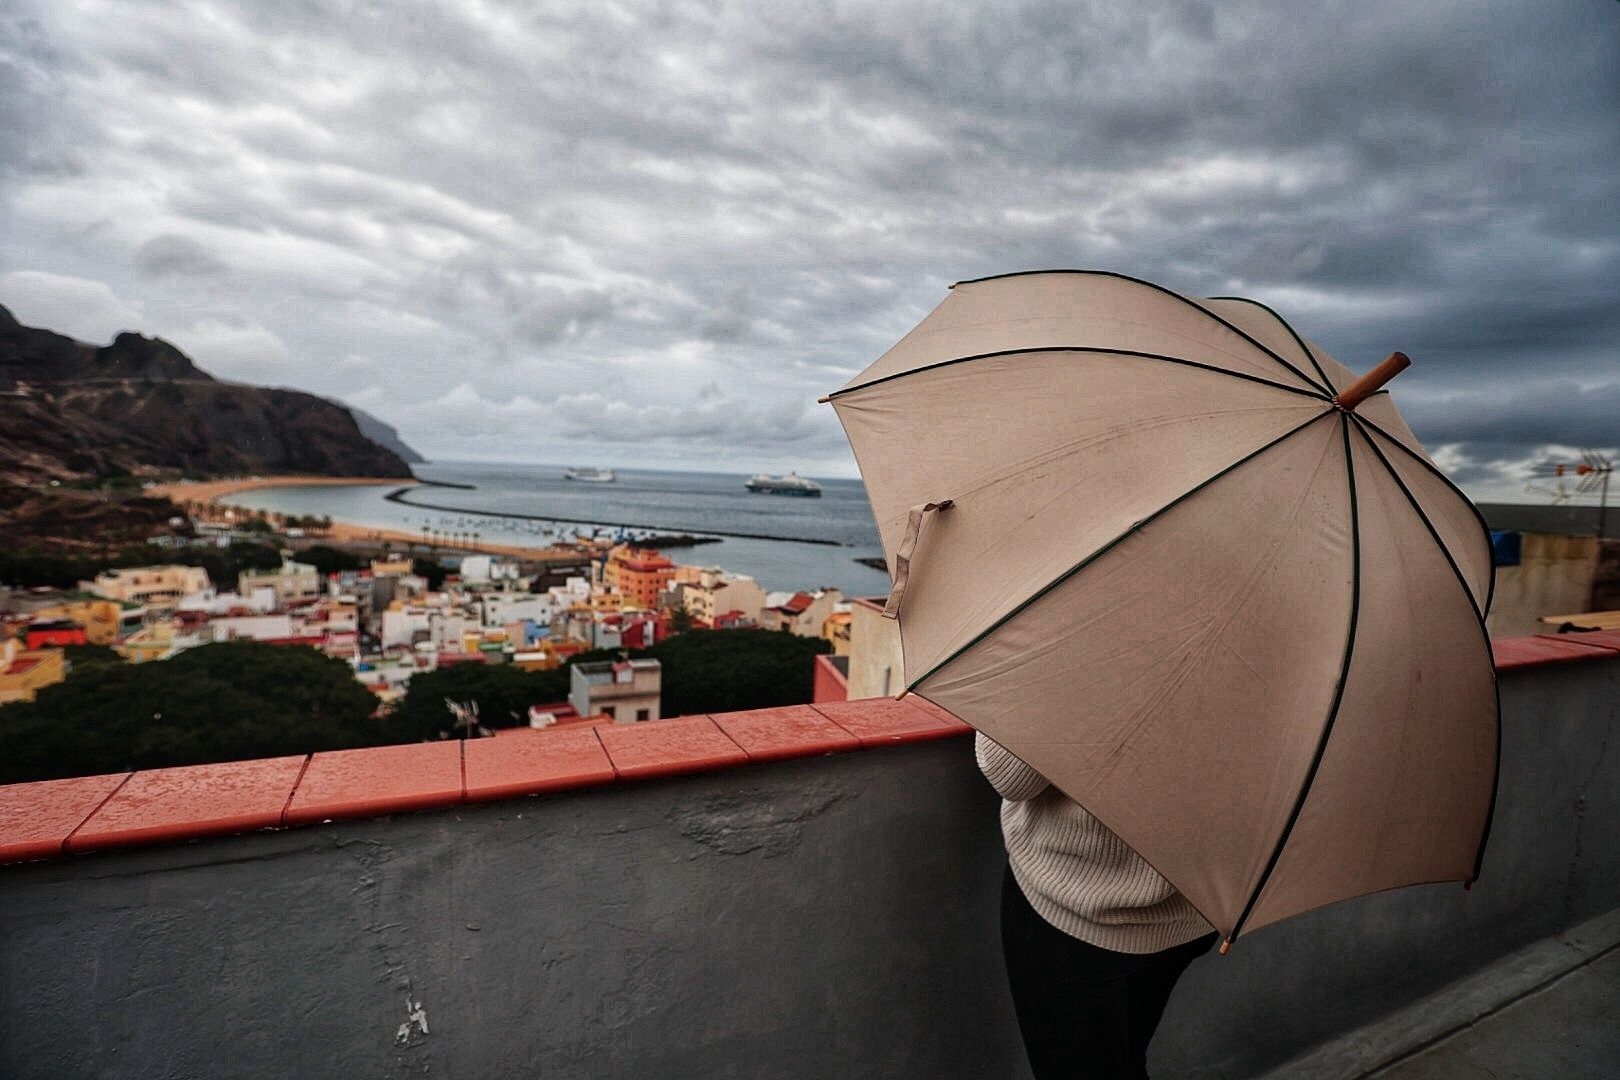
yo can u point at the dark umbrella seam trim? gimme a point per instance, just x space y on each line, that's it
1168 292
1304 348
1111 545
1338 693
1485 635
1485 529
835 395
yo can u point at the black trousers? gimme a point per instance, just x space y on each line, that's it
1085 1012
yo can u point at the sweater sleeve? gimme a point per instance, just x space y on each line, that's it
1007 774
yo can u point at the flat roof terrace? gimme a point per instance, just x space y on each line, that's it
802 892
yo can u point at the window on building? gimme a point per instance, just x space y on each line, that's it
643 714
609 711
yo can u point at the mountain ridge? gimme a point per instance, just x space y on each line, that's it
139 406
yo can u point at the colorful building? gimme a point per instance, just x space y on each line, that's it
155 586
638 574
24 672
103 621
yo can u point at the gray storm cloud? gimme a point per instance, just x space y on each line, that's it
656 235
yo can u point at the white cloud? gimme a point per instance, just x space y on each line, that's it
78 307
515 231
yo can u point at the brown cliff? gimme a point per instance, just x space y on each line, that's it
139 406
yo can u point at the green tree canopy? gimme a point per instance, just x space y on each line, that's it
214 703
330 560
503 693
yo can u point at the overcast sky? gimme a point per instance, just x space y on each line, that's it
653 234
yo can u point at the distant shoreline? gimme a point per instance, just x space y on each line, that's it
208 491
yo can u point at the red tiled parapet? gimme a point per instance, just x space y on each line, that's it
56 817
1511 653
529 762
793 731
882 721
197 800
669 747
36 819
378 780
1603 639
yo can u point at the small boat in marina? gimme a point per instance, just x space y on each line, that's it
791 484
590 475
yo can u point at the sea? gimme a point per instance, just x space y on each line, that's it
787 542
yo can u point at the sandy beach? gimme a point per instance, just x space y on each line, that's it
205 492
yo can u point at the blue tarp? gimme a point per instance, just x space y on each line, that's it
1505 548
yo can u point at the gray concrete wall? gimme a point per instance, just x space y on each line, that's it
826 917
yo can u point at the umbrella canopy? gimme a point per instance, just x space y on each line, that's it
1136 541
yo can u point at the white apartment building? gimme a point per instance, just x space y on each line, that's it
626 690
292 582
716 592
158 587
500 608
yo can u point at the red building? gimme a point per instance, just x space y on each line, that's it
56 633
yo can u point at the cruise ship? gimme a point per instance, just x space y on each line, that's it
791 484
590 475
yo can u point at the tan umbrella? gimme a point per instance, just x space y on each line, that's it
1165 552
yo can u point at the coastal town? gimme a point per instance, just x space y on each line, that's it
398 609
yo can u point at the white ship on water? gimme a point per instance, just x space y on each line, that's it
590 475
791 484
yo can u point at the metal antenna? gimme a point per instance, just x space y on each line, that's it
1593 472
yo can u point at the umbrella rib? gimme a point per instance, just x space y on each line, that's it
1338 693
1485 635
1168 292
836 394
1306 349
1484 528
1111 545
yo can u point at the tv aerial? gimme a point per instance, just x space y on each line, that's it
1590 474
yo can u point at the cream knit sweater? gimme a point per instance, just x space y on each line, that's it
1078 876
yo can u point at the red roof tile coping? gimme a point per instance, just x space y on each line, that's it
884 721
192 801
1511 653
36 819
377 780
775 734
669 747
55 817
1603 639
535 760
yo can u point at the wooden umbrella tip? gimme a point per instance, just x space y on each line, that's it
1368 384
1226 946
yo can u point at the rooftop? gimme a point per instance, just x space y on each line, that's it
761 893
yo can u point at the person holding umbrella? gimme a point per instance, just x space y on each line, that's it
1094 937
1216 616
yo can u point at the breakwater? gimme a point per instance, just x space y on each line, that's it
398 496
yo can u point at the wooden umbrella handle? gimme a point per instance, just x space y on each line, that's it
1363 388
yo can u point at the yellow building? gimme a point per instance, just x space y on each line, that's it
398 567
547 655
154 586
836 630
24 672
104 621
154 642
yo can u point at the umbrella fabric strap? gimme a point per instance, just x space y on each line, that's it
902 556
